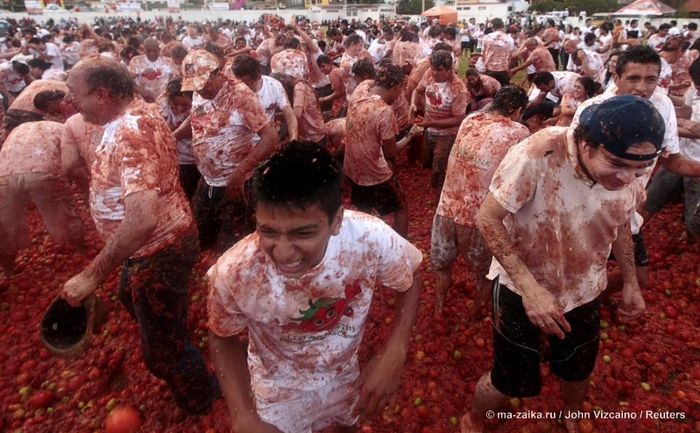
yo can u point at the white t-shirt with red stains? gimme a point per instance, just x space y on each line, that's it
153 77
691 146
272 97
223 130
562 224
444 100
305 332
291 62
497 47
12 81
482 141
185 155
138 153
670 144
370 121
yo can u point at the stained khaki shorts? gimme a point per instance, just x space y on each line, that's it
449 239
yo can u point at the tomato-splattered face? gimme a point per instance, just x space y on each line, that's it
152 51
614 173
441 73
180 104
295 239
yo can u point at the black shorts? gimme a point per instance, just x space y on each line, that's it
220 221
641 258
385 197
517 345
465 45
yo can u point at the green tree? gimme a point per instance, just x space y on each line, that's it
14 5
412 7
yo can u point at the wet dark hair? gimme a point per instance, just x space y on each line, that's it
441 58
129 52
174 89
471 72
299 176
323 60
388 76
45 97
291 43
441 46
450 31
589 37
497 23
178 52
589 85
105 47
352 39
214 49
542 77
364 67
581 133
134 41
434 31
20 68
112 76
246 66
644 55
39 63
508 99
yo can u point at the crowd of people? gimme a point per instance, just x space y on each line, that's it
242 138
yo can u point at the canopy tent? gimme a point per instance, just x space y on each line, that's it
443 13
652 8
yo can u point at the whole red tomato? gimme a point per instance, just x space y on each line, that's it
123 419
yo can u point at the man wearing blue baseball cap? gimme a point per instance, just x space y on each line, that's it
637 73
558 204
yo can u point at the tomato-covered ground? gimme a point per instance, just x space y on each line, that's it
651 364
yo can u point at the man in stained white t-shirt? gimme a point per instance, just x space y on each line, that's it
271 93
637 73
558 204
300 287
665 181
